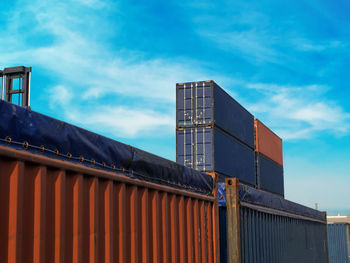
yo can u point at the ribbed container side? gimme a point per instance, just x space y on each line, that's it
206 103
338 243
212 150
269 175
268 143
273 238
223 234
56 211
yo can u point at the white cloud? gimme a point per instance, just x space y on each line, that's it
297 112
124 121
92 72
304 44
89 72
250 44
60 96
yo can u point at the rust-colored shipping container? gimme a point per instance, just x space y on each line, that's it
268 143
70 195
57 211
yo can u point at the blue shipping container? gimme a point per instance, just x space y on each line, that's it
204 103
338 243
269 175
212 150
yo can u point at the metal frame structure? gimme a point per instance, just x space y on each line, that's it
3 84
8 76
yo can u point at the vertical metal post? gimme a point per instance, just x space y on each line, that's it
29 76
3 85
232 221
347 226
326 245
216 230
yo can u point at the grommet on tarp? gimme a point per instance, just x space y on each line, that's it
57 152
8 139
81 159
25 145
69 155
93 161
42 148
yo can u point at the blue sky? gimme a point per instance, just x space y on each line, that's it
111 67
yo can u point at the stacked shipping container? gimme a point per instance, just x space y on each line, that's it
269 159
214 132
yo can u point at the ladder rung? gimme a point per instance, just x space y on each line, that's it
16 91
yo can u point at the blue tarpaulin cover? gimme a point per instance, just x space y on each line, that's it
251 195
27 130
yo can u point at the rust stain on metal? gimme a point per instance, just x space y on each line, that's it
215 220
233 223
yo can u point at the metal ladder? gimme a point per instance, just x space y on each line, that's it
8 93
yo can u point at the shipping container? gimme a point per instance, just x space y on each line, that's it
338 240
69 195
213 150
256 226
268 143
269 175
204 103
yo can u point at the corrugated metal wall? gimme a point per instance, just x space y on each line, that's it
338 243
273 238
258 233
54 211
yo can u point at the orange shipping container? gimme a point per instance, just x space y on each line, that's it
57 211
268 143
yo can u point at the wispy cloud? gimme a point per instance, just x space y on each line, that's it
124 121
88 71
91 72
299 111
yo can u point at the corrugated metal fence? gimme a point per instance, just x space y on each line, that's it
252 233
338 243
56 211
268 237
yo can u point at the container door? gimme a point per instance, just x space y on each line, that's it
194 148
194 104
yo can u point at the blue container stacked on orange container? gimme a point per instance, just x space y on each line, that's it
214 133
